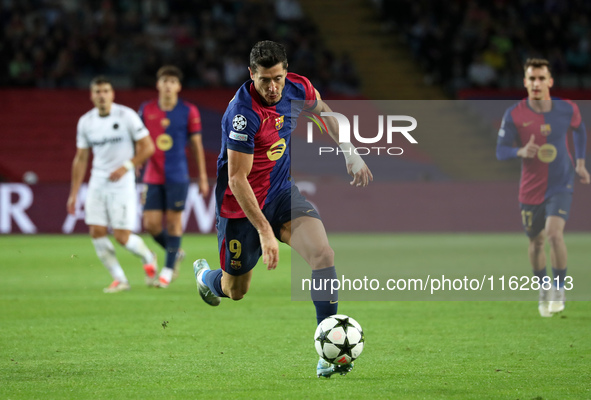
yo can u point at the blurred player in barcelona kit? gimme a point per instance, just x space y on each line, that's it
539 125
256 199
172 123
115 133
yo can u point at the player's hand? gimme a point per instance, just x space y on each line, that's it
583 174
270 248
71 204
362 177
530 150
117 174
203 186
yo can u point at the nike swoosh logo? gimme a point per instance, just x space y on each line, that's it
528 123
562 212
265 120
334 302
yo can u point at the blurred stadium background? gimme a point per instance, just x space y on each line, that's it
465 52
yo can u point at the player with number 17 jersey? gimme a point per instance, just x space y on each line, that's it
552 171
249 126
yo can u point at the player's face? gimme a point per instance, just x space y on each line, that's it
538 82
102 96
168 86
269 82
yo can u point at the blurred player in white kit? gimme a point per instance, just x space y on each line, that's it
119 142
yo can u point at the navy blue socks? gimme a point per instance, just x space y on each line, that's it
213 280
326 303
161 238
173 245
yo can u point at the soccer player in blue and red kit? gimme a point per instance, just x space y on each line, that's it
172 123
540 125
256 199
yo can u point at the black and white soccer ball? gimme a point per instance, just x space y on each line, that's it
339 339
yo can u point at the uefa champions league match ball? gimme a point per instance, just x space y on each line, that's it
339 339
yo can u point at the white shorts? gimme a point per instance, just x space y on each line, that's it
111 204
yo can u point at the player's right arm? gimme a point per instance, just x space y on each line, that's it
194 127
580 142
144 148
508 136
79 166
143 145
239 166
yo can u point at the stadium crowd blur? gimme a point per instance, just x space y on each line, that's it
458 43
483 43
63 43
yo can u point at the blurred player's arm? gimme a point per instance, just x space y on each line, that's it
507 138
530 150
239 166
79 166
144 148
199 154
580 142
356 167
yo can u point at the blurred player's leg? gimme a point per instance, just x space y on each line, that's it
537 258
97 219
544 302
180 256
106 253
558 300
161 237
558 255
137 247
152 221
173 244
121 207
154 206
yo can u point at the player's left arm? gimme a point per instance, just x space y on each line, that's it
195 139
199 154
144 145
582 171
356 167
580 142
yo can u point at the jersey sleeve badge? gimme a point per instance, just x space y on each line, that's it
239 122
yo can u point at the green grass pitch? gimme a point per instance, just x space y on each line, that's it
62 338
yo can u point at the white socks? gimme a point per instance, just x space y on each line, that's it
106 253
136 246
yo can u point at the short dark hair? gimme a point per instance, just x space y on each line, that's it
267 54
536 63
100 80
169 70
